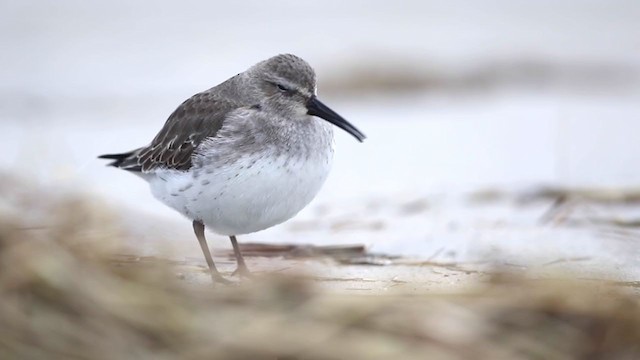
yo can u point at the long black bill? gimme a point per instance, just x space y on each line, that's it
316 108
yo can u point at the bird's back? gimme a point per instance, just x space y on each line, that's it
196 119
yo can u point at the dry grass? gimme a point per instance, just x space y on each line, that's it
62 297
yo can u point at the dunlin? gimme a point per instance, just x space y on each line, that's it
243 156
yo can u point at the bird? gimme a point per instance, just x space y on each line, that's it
242 156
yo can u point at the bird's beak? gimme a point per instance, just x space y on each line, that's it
317 108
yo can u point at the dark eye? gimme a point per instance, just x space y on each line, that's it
282 88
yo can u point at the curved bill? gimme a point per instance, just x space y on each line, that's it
316 108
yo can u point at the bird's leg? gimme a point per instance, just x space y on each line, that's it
242 269
198 228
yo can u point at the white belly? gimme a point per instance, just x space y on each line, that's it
248 195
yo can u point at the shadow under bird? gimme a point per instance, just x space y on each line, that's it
242 156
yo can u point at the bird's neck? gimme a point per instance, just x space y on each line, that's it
238 88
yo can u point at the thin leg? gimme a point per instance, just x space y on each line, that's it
198 228
242 269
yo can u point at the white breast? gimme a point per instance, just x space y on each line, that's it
248 195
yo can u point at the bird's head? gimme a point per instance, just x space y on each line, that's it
288 85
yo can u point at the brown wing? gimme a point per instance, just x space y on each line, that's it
196 119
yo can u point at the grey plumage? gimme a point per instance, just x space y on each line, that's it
201 116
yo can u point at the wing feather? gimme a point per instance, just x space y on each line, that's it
195 120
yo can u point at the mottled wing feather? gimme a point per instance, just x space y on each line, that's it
196 119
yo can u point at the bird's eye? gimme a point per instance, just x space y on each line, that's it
283 88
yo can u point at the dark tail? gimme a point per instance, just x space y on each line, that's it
119 160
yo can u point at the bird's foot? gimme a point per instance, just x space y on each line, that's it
219 279
243 272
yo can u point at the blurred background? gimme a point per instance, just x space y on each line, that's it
455 97
497 195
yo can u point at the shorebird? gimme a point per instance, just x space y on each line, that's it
243 156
